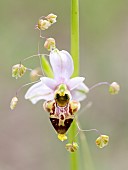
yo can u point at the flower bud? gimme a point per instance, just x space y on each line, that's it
62 137
43 24
72 147
13 103
51 18
102 141
34 74
114 88
18 70
50 44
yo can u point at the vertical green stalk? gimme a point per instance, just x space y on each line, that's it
75 35
75 55
86 156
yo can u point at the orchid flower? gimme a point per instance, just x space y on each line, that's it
62 66
61 94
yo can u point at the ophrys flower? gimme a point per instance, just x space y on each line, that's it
61 94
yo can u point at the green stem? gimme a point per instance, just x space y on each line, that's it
86 156
75 35
75 55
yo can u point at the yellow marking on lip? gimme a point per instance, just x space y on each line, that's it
62 137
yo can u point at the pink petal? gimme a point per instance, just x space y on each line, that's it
51 83
38 92
79 93
62 65
83 88
75 82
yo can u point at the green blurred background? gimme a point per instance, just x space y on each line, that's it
27 139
